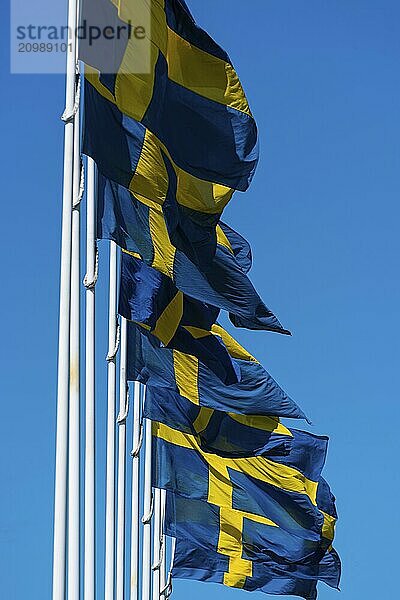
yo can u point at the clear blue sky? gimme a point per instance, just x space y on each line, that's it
322 215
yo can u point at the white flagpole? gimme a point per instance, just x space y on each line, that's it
60 493
147 509
74 391
90 282
157 544
123 413
135 518
163 560
111 397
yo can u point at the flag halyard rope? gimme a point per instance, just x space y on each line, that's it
111 356
90 284
68 117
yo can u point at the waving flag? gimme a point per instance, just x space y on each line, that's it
260 522
284 488
151 300
225 434
239 549
178 83
129 155
142 229
182 380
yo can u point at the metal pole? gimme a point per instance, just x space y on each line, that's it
147 509
111 397
123 410
163 561
74 390
90 280
157 544
136 443
60 493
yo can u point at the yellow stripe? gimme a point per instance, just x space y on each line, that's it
233 347
151 180
328 528
135 79
196 332
170 319
204 74
229 544
201 195
222 240
203 419
261 422
134 254
164 251
259 467
186 369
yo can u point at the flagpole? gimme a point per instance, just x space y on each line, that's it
147 509
60 492
135 518
111 397
163 560
74 392
90 282
123 413
157 544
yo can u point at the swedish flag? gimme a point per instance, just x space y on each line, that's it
239 549
284 487
134 224
186 93
183 384
264 523
142 229
151 300
126 155
225 434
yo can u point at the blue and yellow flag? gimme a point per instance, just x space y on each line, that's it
226 434
282 488
264 522
134 160
151 300
178 379
145 225
141 228
175 80
239 549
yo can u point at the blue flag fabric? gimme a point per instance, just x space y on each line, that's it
178 83
234 549
280 488
225 434
131 224
180 380
150 299
140 228
261 523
